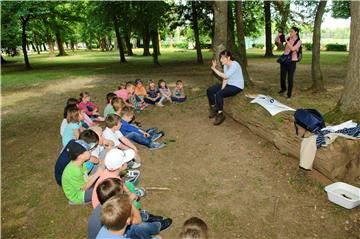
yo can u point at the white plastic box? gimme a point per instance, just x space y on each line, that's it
343 194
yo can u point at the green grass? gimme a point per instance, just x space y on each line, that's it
91 63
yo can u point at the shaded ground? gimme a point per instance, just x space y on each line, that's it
239 184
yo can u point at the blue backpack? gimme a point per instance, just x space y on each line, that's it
310 119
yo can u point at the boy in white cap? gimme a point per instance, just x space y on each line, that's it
115 162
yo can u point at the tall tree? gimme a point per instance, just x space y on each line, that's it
196 32
350 100
119 40
316 74
240 31
241 42
220 27
268 38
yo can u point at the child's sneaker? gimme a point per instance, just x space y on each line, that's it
155 145
151 130
140 192
156 136
133 165
160 104
133 176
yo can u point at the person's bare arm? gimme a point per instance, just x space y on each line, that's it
135 215
92 179
128 143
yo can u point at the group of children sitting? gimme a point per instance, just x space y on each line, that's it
136 96
100 166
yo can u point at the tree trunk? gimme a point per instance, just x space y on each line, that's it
157 42
196 33
234 49
268 40
350 100
146 40
72 45
119 40
240 32
155 39
220 31
24 22
44 46
128 45
51 46
3 60
33 46
59 43
316 74
38 49
220 27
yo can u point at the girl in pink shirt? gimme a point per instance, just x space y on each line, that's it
87 106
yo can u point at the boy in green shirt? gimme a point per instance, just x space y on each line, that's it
75 186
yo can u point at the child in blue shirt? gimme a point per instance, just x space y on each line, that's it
136 134
153 94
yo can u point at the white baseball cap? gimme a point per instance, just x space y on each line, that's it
115 158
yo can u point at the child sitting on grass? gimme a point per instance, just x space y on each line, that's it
178 94
140 90
153 94
89 107
141 227
136 134
118 104
88 137
135 101
76 189
112 132
109 109
73 127
165 92
116 162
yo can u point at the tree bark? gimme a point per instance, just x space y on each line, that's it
350 100
268 40
196 33
146 40
240 32
234 49
220 27
128 45
51 46
24 22
220 31
72 45
119 40
3 60
316 74
155 39
38 48
60 43
44 47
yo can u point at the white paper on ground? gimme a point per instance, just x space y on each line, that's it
271 105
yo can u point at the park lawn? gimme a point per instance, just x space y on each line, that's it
33 206
84 64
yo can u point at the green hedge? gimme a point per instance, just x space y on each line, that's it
258 45
183 45
335 47
308 46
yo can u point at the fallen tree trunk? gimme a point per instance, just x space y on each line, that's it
340 161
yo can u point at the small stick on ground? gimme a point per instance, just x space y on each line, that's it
157 189
276 205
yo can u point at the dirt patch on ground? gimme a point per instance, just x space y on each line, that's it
238 183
